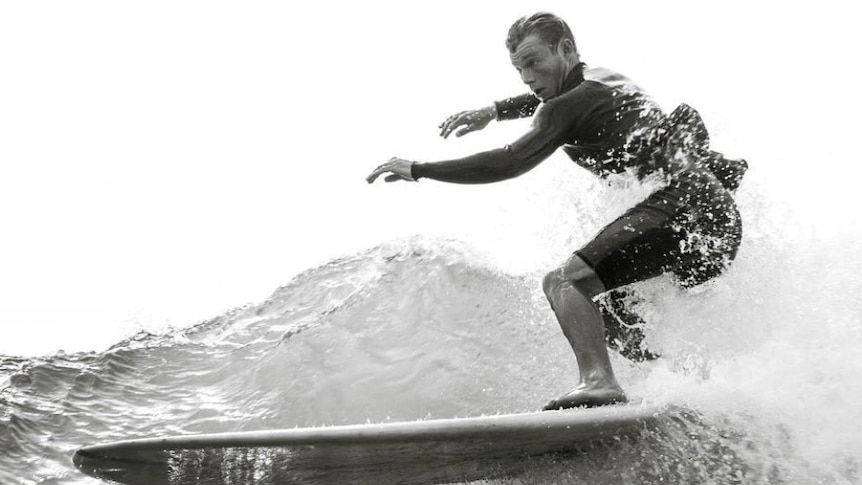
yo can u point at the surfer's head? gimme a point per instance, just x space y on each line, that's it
542 49
550 28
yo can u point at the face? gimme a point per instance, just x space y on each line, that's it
542 67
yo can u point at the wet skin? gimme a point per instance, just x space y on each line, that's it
570 290
543 67
583 396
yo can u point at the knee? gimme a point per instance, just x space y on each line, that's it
576 275
553 282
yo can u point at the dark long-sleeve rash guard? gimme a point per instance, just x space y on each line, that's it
594 119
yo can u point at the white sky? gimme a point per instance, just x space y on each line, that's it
163 161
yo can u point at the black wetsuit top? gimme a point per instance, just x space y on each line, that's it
600 113
603 121
607 124
593 119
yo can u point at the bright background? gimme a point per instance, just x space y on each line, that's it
164 161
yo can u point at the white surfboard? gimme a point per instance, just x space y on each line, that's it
431 451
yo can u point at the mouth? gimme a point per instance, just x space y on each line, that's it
538 92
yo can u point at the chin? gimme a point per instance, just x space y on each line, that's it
545 96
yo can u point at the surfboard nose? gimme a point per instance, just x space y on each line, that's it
135 469
85 461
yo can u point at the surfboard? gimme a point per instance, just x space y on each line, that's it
429 451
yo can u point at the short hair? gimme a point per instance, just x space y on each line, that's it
550 28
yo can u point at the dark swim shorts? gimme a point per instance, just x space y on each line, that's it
691 229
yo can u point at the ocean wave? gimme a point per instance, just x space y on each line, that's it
415 328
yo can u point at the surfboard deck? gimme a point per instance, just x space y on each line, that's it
430 451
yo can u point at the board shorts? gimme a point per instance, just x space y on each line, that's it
690 229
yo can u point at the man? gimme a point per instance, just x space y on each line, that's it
689 227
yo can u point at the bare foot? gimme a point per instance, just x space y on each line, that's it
588 396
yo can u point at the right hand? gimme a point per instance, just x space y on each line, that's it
467 121
398 169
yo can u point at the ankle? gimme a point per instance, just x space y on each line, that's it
600 380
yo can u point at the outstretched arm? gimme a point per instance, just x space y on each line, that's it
485 167
512 108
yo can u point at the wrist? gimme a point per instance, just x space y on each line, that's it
494 111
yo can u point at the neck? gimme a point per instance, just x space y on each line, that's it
574 76
574 62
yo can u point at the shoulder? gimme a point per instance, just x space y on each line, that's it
553 112
599 85
566 112
601 88
579 100
600 78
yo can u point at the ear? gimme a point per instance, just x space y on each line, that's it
566 46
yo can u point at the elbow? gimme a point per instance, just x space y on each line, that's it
505 171
521 163
516 171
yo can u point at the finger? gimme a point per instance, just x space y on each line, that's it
452 126
394 178
383 168
453 123
445 123
450 119
446 127
376 173
464 130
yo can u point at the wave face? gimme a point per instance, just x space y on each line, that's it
426 328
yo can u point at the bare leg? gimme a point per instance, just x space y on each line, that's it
570 290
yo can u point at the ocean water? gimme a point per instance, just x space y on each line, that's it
417 301
765 358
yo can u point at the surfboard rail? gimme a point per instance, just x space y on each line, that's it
366 447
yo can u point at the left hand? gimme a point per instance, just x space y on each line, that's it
399 169
467 121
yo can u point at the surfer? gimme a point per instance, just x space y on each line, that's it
689 227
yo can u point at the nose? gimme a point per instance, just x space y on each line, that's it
527 76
